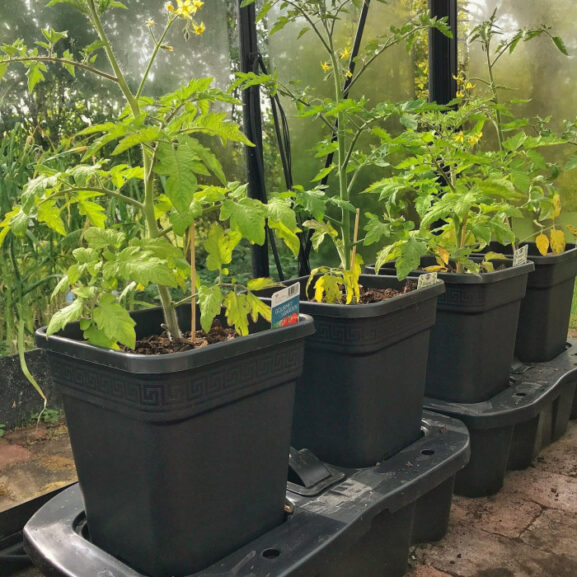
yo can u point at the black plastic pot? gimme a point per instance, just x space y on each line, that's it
509 430
363 525
473 340
359 399
546 308
181 458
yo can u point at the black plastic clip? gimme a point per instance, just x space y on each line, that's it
308 475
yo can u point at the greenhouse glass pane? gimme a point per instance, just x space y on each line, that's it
209 55
298 59
536 71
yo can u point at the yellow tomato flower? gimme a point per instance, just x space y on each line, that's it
474 138
197 4
326 66
345 53
349 74
460 137
469 86
169 7
185 9
460 94
199 29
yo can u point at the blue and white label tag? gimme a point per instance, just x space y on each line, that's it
285 306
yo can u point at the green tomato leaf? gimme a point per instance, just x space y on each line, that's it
237 310
287 235
64 316
247 216
258 307
99 238
49 213
208 158
35 75
210 303
409 256
98 338
143 268
257 284
178 163
219 246
279 210
181 221
115 321
93 211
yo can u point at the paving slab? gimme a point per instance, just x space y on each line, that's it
529 529
33 461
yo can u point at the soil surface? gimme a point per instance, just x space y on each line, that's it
372 295
162 344
375 295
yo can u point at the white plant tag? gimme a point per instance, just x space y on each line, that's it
520 255
285 305
427 279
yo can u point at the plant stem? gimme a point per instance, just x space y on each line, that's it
107 192
192 283
355 239
153 58
341 162
168 308
64 62
493 88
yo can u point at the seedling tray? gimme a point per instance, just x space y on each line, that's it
363 524
509 430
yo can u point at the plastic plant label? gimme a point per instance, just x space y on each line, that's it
285 306
427 279
520 255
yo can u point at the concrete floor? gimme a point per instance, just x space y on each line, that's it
529 529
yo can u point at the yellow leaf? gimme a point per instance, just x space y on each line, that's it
495 256
435 268
557 241
542 243
320 289
443 254
572 230
557 205
488 266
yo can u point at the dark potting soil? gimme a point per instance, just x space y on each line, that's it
375 295
372 295
163 345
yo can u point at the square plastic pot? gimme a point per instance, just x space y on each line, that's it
359 399
472 343
546 308
181 458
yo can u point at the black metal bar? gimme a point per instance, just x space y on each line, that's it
253 126
443 54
